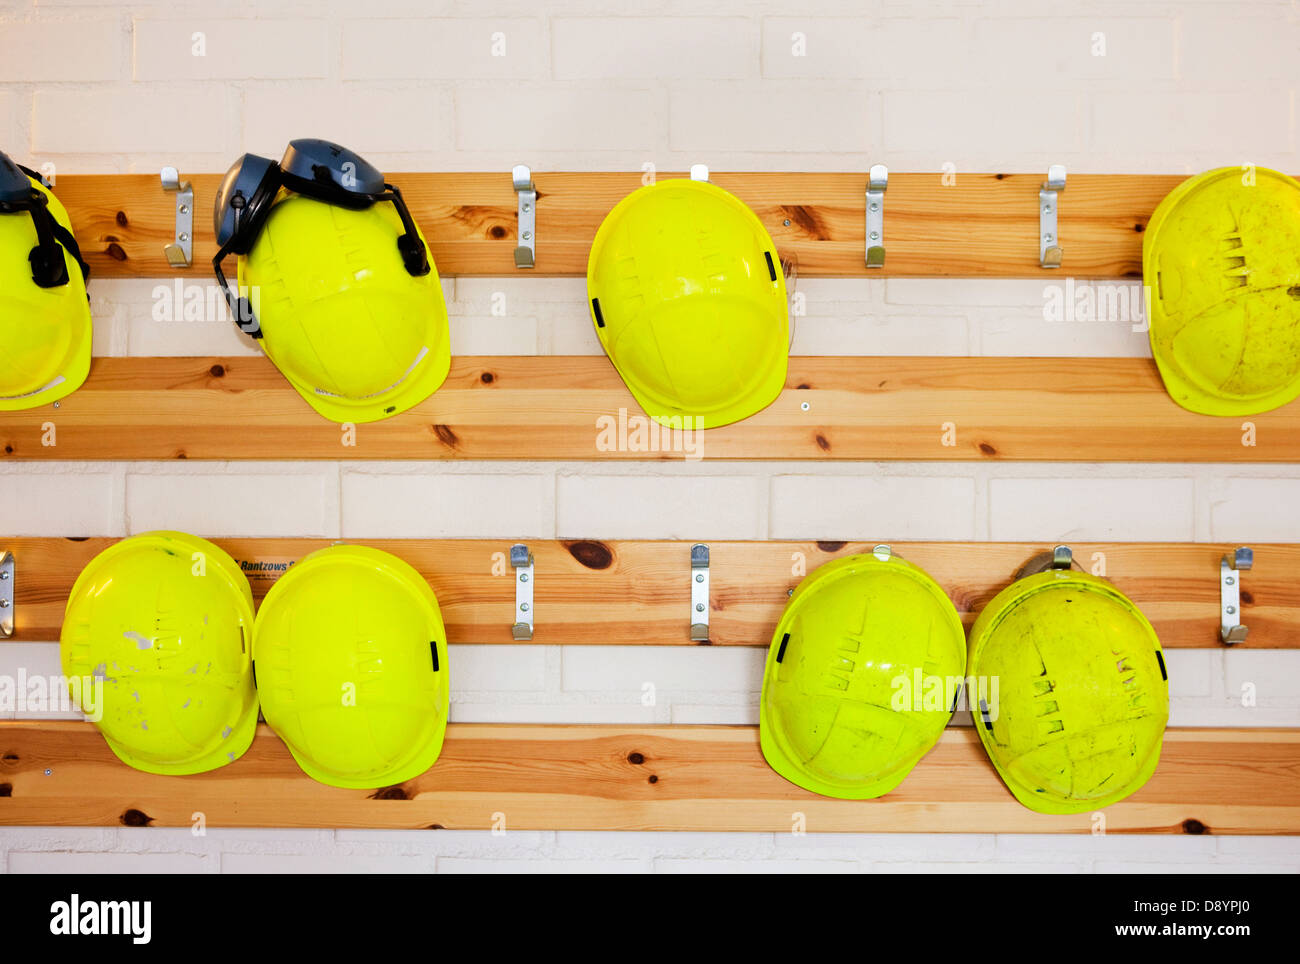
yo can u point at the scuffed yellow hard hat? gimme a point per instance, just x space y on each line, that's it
1221 262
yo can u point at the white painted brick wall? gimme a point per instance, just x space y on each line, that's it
101 86
211 49
444 49
634 48
88 50
870 507
352 113
292 499
930 53
79 500
602 506
443 505
1074 53
1088 507
550 119
709 119
196 118
1255 510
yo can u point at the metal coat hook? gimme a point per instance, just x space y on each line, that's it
877 182
700 593
1231 630
1050 251
526 250
6 593
180 253
521 560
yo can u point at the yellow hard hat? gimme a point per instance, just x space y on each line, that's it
45 328
688 299
1075 692
351 661
1221 260
341 287
164 622
862 676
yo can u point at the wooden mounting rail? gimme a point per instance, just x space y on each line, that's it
576 407
630 592
633 778
978 225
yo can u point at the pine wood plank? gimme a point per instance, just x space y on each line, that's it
983 225
576 407
634 592
633 778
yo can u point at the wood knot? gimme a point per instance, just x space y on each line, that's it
115 252
822 442
135 818
217 371
831 545
390 793
988 449
636 758
487 378
446 436
593 555
1194 827
497 231
120 218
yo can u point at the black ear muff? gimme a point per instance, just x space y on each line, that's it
243 204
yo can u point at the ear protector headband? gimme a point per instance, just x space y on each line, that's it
313 168
16 196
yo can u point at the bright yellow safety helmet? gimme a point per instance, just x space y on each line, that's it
351 661
45 328
1074 691
164 621
688 299
1221 262
341 287
862 676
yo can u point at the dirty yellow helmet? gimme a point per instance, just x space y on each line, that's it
1221 260
341 288
351 661
45 328
164 623
1074 694
688 299
862 676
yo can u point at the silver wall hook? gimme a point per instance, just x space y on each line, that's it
700 593
1231 630
526 248
180 253
7 595
1050 251
877 182
521 561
